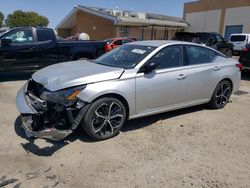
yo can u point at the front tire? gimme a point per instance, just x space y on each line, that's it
104 118
221 95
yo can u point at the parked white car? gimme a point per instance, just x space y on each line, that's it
239 41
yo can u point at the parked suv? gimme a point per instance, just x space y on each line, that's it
239 41
213 40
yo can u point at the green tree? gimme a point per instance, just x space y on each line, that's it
1 19
24 19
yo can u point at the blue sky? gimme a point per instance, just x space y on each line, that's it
56 10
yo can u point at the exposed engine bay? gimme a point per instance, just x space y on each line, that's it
57 113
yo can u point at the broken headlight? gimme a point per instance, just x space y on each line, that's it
66 97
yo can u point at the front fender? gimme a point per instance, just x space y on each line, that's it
124 88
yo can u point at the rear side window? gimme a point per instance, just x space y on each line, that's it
43 35
199 55
118 42
238 38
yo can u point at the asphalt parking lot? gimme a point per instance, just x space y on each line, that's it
193 147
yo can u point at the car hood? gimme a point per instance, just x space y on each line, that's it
64 75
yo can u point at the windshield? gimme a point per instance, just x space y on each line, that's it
126 56
109 41
203 37
238 38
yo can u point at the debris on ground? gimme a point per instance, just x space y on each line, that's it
52 177
48 169
32 175
55 184
17 185
4 181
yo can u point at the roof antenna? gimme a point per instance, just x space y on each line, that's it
116 6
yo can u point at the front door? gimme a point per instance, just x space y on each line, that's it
19 54
164 88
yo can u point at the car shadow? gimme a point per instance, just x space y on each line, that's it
31 147
15 76
139 123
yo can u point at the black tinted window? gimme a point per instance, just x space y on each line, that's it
168 57
20 36
43 35
199 55
238 38
118 42
126 41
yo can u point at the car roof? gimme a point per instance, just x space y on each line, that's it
158 43
119 38
244 34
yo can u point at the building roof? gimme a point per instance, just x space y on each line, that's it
123 17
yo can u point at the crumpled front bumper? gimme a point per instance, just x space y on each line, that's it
48 133
22 103
27 112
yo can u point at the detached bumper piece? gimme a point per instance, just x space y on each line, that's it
41 119
47 133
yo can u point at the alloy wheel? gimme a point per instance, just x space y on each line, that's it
107 119
223 94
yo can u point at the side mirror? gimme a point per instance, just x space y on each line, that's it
6 42
149 67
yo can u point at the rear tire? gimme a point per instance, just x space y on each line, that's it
104 118
221 95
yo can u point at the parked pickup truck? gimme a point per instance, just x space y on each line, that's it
33 48
213 40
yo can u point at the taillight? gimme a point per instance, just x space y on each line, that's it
245 49
240 66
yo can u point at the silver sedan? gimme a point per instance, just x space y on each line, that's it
135 80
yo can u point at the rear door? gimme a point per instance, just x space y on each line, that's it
46 47
204 73
19 54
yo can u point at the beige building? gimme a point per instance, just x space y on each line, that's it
102 23
221 16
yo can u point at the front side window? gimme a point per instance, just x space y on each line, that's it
168 57
199 55
126 56
20 36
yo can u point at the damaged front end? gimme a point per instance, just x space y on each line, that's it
47 114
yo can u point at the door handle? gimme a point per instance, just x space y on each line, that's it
216 68
181 77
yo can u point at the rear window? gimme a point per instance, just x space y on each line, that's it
238 38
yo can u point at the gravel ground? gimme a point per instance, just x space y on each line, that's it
193 147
